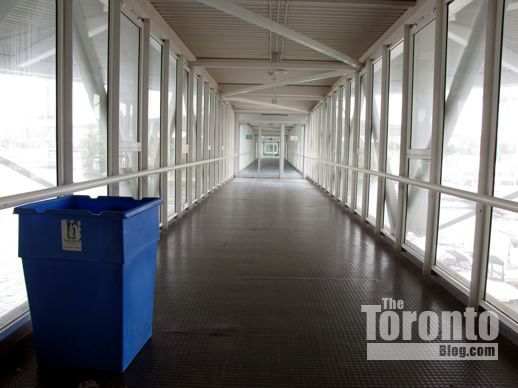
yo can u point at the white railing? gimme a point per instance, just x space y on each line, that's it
38 195
471 196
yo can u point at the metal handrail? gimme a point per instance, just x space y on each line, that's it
464 194
38 195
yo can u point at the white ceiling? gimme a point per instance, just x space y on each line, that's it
349 26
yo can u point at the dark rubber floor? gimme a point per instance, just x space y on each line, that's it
262 285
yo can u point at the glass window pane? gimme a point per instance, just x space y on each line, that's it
361 143
506 173
129 78
502 269
375 138
461 139
417 205
393 136
155 73
128 162
422 90
463 103
455 237
128 102
27 129
90 55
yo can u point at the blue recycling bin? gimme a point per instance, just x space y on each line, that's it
89 266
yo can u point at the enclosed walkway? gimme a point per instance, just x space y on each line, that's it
262 285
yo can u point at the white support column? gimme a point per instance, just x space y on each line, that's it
318 140
164 131
206 124
64 108
178 138
338 143
441 26
235 163
215 151
356 117
113 93
405 129
331 140
222 141
281 153
493 49
368 132
144 105
218 143
199 137
382 157
212 132
259 150
190 134
347 137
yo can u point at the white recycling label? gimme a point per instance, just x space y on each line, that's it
71 235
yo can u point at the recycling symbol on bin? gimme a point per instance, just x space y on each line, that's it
71 235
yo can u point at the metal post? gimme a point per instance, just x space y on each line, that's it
190 133
281 153
211 138
199 137
332 147
236 144
441 32
217 137
339 143
259 149
206 122
382 157
64 108
143 114
368 131
346 135
113 92
355 128
178 138
405 128
164 132
493 49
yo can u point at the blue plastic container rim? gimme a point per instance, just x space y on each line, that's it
102 206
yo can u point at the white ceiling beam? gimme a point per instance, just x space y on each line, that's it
263 111
266 104
258 20
292 97
300 80
217 63
393 4
302 89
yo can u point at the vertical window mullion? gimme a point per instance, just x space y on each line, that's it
164 132
113 92
64 86
143 115
486 177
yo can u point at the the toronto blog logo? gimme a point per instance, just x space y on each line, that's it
395 333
